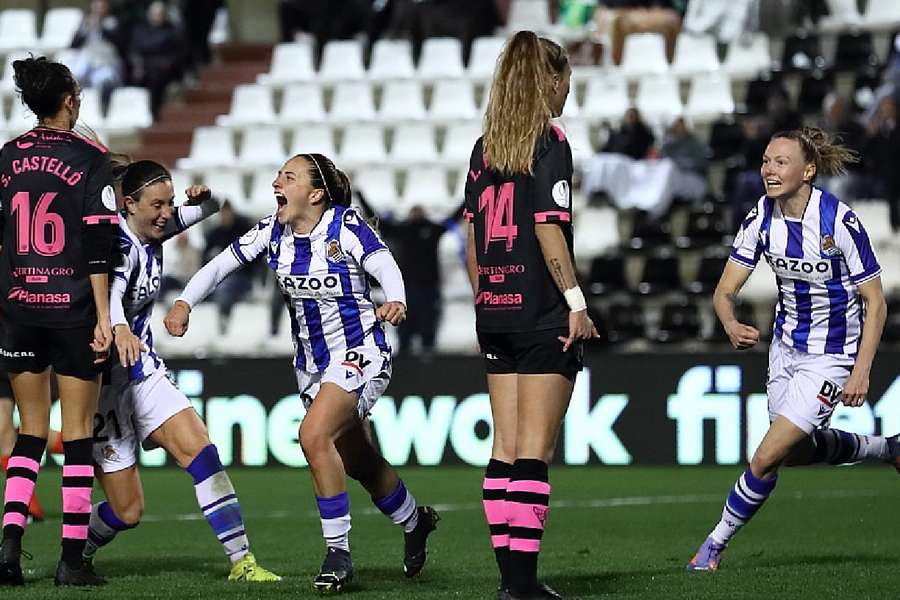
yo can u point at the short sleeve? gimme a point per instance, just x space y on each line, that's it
746 248
253 243
853 241
476 168
553 181
100 198
358 237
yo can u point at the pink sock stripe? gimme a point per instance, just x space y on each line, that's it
78 471
531 516
534 487
520 545
19 489
499 541
495 483
495 511
14 518
76 500
75 532
23 462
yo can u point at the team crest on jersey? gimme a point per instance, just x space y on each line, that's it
333 251
828 246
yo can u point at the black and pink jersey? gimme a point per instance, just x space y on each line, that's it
515 289
54 185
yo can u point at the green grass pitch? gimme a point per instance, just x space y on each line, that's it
613 532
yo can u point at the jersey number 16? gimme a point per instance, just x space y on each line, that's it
43 230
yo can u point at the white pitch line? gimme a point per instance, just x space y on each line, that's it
621 502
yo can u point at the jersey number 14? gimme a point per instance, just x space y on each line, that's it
498 215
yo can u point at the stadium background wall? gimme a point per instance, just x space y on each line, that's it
664 409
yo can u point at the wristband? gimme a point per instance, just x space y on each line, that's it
575 299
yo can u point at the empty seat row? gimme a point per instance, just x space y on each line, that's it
18 29
129 109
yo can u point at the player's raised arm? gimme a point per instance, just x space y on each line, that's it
199 205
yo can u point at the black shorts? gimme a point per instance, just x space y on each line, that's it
530 353
33 349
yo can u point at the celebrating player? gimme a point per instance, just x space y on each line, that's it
828 321
531 316
141 405
58 224
321 252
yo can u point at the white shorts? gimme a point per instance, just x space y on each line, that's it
128 413
805 388
364 370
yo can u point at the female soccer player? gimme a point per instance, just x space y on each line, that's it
59 217
141 405
531 316
828 322
321 252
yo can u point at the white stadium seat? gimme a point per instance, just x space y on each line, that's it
441 59
571 108
60 25
342 60
250 105
875 217
709 97
225 184
312 139
302 103
578 133
483 59
261 201
391 59
414 144
427 187
450 336
262 147
18 29
452 100
379 186
181 180
458 143
694 54
748 57
644 54
129 108
248 329
352 102
881 15
20 120
532 15
210 147
606 98
658 98
843 15
596 232
402 101
292 62
90 113
7 83
363 144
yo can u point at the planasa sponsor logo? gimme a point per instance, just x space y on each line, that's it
492 299
26 297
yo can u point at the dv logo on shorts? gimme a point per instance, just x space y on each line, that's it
829 394
355 360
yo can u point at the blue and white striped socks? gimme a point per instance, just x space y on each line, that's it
219 502
334 512
836 447
400 507
745 499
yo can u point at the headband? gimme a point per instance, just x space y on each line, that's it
321 176
156 179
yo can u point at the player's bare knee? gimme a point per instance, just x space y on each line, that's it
765 462
314 443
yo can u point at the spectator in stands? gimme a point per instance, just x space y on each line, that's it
725 19
234 288
633 138
157 54
198 17
462 19
783 116
324 19
882 153
839 119
748 185
98 60
618 18
691 158
181 260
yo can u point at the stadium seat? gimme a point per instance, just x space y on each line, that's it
529 15
18 29
291 62
250 105
441 59
248 329
660 275
342 60
453 100
596 232
607 275
578 133
391 59
7 83
262 146
21 119
91 113
854 49
658 98
60 25
210 147
708 274
759 91
725 138
181 180
606 98
571 108
363 144
648 232
427 187
707 226
450 336
802 52
760 287
694 54
226 185
310 139
679 322
379 186
843 15
748 57
352 102
709 97
200 339
744 314
414 144
458 143
625 322
402 101
881 15
261 201
129 109
644 54
483 60
302 103
875 217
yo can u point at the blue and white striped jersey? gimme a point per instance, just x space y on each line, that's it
818 261
322 279
136 280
